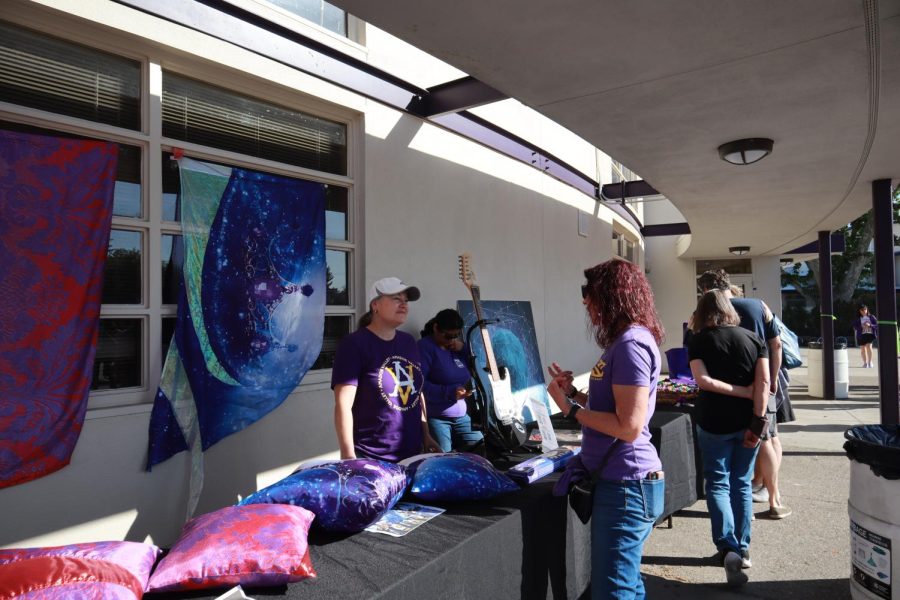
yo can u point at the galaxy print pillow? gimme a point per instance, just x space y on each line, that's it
457 477
109 570
252 546
346 495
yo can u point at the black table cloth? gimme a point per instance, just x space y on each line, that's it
672 435
527 544
688 409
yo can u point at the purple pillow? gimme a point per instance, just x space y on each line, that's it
113 570
346 495
258 545
456 477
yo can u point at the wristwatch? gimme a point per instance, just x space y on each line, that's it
573 411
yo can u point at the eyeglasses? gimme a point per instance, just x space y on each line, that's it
584 291
451 335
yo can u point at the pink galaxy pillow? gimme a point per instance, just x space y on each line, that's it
253 545
109 570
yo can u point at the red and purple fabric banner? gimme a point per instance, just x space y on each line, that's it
56 197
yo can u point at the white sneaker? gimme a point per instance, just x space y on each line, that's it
734 572
760 494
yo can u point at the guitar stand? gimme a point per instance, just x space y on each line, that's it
484 400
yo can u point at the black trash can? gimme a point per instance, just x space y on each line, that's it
874 508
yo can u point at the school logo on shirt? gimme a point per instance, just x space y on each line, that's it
597 371
400 382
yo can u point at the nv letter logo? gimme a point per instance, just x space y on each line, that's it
404 381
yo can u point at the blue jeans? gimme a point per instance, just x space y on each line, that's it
728 469
454 432
624 514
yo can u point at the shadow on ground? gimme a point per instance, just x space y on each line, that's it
816 589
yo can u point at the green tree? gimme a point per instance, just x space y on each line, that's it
848 269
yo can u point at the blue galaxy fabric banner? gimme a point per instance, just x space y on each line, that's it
251 306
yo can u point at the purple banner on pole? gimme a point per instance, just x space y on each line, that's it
251 305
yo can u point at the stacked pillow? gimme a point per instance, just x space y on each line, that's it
346 495
456 477
257 545
110 570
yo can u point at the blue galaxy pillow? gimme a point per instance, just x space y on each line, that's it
456 477
346 495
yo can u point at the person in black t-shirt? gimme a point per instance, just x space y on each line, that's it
731 367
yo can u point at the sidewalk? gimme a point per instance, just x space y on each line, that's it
805 556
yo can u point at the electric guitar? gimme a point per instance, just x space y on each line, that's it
504 405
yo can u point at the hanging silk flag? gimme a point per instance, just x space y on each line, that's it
251 307
56 197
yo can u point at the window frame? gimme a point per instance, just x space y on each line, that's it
151 311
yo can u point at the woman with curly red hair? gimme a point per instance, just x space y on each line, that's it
614 415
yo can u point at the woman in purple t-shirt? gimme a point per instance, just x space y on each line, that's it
614 417
865 328
377 381
447 382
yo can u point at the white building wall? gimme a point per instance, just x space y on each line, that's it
767 281
425 195
674 278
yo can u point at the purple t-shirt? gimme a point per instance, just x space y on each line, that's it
387 412
444 371
633 359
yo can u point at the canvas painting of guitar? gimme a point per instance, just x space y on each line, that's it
506 408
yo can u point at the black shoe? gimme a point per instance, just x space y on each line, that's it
734 573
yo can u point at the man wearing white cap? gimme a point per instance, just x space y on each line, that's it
377 381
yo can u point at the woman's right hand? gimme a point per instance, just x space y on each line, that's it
463 393
564 378
560 385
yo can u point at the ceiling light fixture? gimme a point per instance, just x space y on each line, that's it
739 250
747 151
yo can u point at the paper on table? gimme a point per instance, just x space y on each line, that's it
403 518
235 593
548 436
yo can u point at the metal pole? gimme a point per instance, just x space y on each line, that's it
885 300
827 314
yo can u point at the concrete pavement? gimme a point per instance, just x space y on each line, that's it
805 556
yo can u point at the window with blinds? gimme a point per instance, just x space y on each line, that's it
197 112
319 12
49 74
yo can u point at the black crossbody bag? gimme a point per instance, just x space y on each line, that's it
581 493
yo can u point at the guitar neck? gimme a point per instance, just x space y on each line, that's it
485 335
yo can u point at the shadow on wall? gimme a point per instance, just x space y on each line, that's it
105 493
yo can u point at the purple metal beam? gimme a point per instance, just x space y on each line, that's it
885 300
827 315
627 189
837 245
454 96
665 229
250 30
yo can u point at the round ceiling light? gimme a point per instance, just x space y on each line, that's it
746 151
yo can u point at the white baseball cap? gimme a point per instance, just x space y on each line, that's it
391 285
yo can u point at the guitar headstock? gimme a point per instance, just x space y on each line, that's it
466 274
